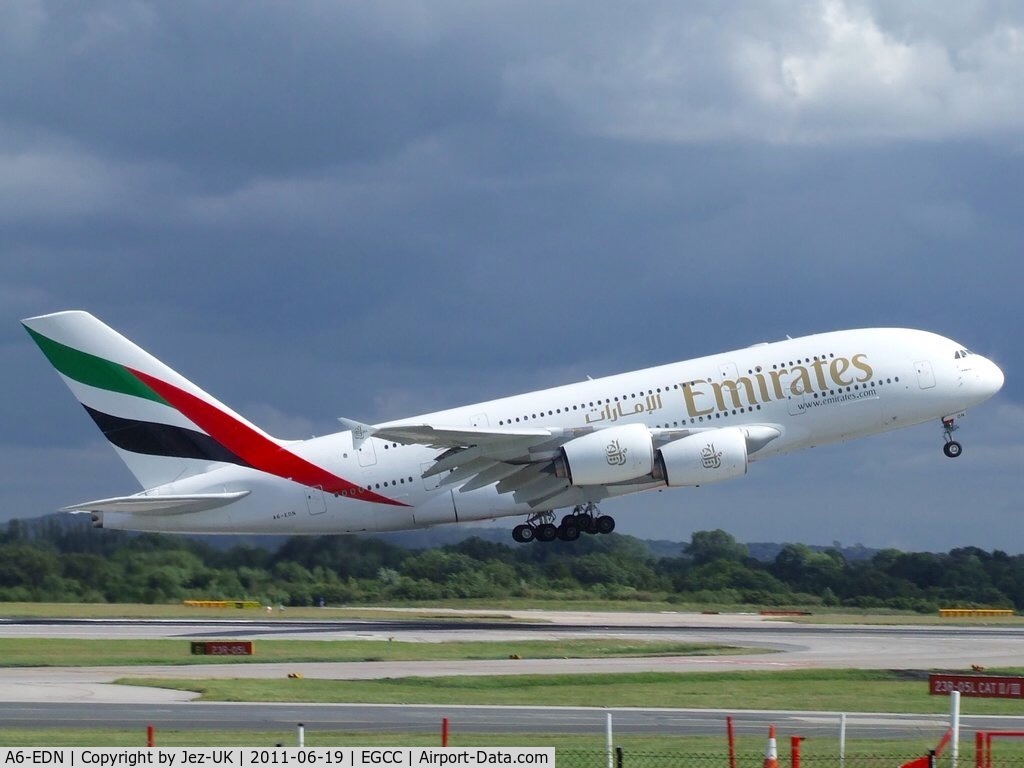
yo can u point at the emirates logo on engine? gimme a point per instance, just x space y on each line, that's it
615 455
710 458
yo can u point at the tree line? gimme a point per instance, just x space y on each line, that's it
56 561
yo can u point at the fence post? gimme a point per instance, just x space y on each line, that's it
619 761
444 731
954 717
301 735
794 750
954 724
149 735
842 740
979 749
931 758
731 736
608 739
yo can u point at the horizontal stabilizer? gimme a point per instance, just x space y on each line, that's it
159 505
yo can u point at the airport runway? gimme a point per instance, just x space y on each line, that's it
86 696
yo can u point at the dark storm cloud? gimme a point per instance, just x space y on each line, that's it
235 91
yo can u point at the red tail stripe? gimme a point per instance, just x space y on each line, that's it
254 448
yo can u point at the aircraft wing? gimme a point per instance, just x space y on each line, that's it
515 460
158 505
451 437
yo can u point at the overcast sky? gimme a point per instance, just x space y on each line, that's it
373 210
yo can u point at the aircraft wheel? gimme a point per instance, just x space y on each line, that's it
605 524
588 524
524 533
546 532
952 449
568 531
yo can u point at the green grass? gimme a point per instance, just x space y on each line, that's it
494 610
903 619
829 690
179 611
67 652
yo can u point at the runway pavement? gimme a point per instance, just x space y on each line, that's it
86 695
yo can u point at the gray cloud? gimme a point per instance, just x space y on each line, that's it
785 72
232 92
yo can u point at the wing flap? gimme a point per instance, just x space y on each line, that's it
467 470
453 437
498 472
541 489
568 497
475 457
452 458
159 505
527 474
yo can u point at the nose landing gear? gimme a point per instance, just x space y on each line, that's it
952 448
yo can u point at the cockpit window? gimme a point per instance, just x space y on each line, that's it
961 353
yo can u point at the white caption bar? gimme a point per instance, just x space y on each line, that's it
249 757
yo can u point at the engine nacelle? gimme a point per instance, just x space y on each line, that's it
612 455
707 457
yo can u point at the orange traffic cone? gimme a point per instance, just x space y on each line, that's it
771 752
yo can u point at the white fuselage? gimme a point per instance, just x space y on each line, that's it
813 390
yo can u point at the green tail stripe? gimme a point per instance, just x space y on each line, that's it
93 371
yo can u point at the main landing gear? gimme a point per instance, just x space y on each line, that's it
952 448
585 518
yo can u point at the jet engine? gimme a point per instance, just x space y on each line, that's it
612 455
706 457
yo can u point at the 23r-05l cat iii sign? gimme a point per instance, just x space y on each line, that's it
980 686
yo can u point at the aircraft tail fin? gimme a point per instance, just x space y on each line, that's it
162 425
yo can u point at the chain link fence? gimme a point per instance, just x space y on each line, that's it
626 758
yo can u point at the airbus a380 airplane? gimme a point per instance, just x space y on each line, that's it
205 469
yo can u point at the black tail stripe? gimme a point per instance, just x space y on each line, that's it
161 439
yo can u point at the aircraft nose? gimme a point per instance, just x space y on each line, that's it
996 377
990 377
